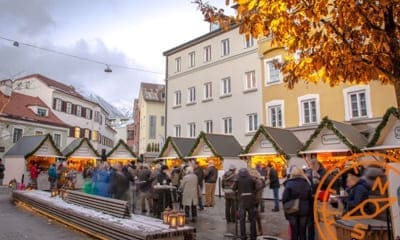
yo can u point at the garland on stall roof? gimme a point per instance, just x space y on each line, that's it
48 136
326 122
203 136
121 142
263 130
391 111
80 144
169 140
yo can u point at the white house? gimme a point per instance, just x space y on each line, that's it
213 85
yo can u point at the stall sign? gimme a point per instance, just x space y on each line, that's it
265 144
397 132
328 139
206 148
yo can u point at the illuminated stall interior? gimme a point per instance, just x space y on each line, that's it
44 154
271 145
121 154
332 142
80 154
174 150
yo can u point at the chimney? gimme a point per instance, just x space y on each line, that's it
6 87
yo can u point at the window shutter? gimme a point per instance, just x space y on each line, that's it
63 106
91 114
82 133
54 103
83 113
71 131
73 110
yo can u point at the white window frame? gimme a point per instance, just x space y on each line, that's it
207 93
267 71
13 132
272 104
251 41
192 130
68 108
192 59
58 144
207 53
226 128
191 96
252 121
78 111
178 64
301 100
253 81
46 112
177 98
58 104
88 112
347 103
226 84
178 130
225 48
208 126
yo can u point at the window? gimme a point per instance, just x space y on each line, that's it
95 136
357 102
58 104
191 95
41 112
209 126
227 125
87 133
178 64
37 132
152 126
275 116
57 139
69 108
192 59
308 109
177 98
207 53
192 129
249 42
162 121
252 122
250 80
17 134
77 132
78 111
177 130
226 86
88 113
225 47
272 74
207 91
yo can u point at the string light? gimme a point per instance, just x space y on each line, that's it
108 66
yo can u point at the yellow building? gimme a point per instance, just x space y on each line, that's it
302 108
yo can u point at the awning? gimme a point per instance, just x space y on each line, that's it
324 151
83 157
381 147
122 158
166 158
48 156
198 156
257 154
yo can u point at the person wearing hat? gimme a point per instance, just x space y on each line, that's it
230 197
210 178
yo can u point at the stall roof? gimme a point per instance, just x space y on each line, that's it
74 145
283 141
220 145
29 145
348 134
182 146
379 131
121 143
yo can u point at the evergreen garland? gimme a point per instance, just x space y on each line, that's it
80 144
391 111
48 136
263 130
121 142
169 140
203 136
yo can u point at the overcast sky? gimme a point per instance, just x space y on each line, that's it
131 33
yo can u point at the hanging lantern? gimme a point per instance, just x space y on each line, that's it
165 215
181 219
54 192
173 221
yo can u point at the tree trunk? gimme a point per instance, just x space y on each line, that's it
397 92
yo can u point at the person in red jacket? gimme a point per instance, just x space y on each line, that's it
34 171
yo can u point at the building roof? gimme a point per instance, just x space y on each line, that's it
18 108
28 145
121 142
153 92
283 140
391 112
220 145
182 146
75 144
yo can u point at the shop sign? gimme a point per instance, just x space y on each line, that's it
328 139
265 144
83 150
397 132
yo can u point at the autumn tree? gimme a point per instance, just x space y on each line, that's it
353 41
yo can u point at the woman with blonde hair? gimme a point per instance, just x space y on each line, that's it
298 187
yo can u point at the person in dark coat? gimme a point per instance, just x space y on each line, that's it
228 179
274 185
245 188
144 187
298 187
162 197
357 190
119 186
200 179
2 169
210 178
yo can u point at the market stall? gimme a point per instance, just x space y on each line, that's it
80 154
174 150
121 154
223 150
332 142
27 151
276 146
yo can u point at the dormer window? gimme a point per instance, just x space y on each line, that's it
41 112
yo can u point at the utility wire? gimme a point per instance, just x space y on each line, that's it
16 43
